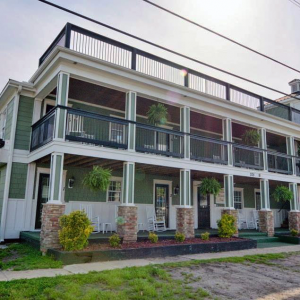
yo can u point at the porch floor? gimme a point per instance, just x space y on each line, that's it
33 237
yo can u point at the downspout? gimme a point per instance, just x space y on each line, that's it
9 163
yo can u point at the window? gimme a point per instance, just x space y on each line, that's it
117 133
238 199
114 191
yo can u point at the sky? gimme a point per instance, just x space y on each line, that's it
27 28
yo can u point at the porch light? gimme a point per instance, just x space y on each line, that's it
71 182
176 190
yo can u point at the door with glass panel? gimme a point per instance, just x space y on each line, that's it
162 202
43 191
203 210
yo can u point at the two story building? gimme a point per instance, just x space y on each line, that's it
86 105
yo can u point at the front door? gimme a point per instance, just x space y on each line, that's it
42 198
257 200
203 210
162 202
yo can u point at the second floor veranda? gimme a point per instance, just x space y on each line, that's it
96 115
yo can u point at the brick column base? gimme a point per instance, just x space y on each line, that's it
128 230
234 213
185 221
294 220
266 222
50 226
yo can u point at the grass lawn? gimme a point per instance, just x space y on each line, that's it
24 257
150 282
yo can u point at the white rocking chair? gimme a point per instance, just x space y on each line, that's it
88 209
154 223
256 219
242 220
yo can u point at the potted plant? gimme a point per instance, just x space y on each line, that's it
157 114
210 186
251 137
98 179
282 194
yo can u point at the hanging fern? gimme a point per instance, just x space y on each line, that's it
98 179
210 186
251 137
157 114
282 193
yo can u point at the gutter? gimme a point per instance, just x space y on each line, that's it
9 163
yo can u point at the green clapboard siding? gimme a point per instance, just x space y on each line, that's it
18 181
2 184
9 116
24 121
143 187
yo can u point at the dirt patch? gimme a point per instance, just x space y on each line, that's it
161 243
12 256
245 281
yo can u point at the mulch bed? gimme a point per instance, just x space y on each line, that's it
160 243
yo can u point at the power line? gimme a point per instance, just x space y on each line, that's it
295 3
164 48
222 36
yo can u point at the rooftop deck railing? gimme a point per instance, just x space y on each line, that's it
106 49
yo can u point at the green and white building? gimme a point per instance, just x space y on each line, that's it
87 105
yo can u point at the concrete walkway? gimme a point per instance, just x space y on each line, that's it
110 265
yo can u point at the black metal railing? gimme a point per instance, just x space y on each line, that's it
208 149
156 140
94 129
248 157
280 163
106 49
43 130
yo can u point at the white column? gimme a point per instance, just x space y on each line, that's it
185 188
56 178
264 194
185 127
227 136
128 183
295 202
130 114
290 147
62 93
229 191
263 145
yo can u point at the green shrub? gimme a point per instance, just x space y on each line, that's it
179 237
282 193
157 114
115 241
205 236
75 231
98 179
210 186
153 238
294 232
251 137
226 226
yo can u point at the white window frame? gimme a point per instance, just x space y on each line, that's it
117 179
110 130
242 197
